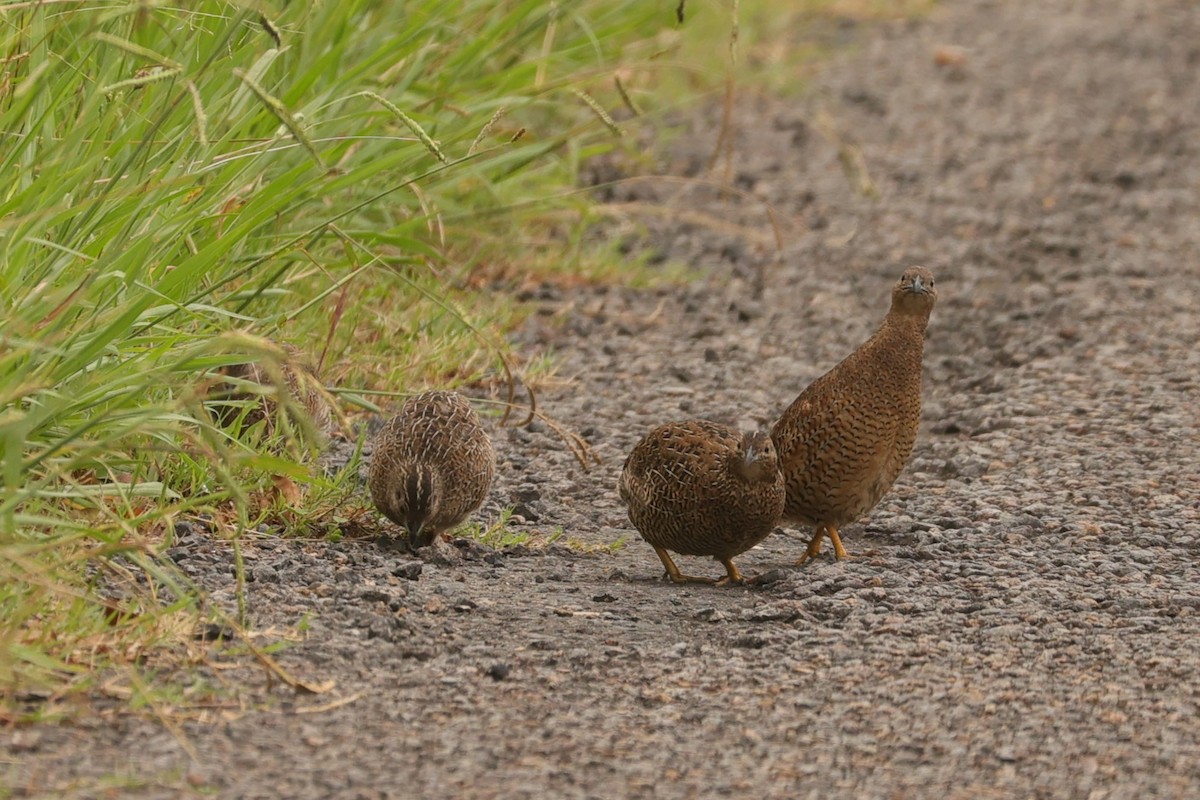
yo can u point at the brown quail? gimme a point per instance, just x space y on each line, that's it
301 383
845 439
702 489
432 465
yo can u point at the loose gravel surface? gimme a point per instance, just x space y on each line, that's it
1022 614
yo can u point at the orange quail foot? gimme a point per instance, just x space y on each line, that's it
702 489
845 439
432 465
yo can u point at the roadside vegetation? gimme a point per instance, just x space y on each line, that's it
188 186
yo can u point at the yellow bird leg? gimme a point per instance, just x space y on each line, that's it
733 576
814 545
673 571
838 551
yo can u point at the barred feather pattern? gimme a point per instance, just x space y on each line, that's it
843 442
301 382
704 489
432 465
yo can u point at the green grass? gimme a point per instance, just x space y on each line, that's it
188 184
499 534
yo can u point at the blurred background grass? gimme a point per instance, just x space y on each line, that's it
374 182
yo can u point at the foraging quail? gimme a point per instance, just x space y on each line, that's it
433 464
702 489
845 439
302 385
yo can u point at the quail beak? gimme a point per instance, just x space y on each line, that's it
918 286
420 537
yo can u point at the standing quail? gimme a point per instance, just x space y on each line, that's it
433 464
702 489
845 439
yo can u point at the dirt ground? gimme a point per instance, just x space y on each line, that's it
1022 615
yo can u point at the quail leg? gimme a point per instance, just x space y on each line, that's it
839 552
733 576
814 544
673 571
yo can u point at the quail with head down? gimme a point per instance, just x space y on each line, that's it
703 489
432 465
845 439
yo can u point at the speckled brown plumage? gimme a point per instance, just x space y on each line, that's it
300 380
702 489
432 465
843 442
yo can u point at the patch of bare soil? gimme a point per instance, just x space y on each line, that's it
1022 615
